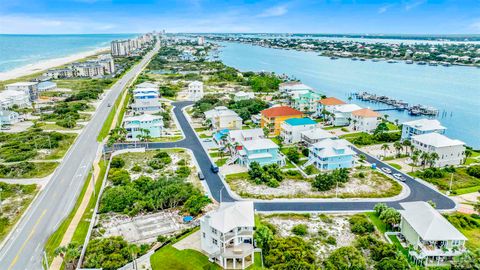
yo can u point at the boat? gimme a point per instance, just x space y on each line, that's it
333 57
414 112
362 59
391 61
445 64
409 62
432 63
421 63
375 60
354 59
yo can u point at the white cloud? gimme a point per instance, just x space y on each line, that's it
22 24
274 11
383 9
413 4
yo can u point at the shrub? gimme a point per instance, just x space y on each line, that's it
117 162
360 224
293 155
136 168
474 171
345 258
322 232
183 171
195 204
300 230
119 176
331 240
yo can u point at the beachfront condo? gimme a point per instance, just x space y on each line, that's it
449 151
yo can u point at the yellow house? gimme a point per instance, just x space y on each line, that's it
273 117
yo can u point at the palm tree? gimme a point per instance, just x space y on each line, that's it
385 147
468 153
425 157
386 117
134 250
398 146
208 123
433 158
406 143
396 122
414 160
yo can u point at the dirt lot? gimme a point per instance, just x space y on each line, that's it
373 185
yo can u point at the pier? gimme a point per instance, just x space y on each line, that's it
399 105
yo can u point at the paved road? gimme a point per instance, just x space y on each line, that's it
418 191
23 250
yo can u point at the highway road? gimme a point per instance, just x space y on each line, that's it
24 248
418 191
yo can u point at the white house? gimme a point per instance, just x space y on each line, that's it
330 154
328 104
433 238
146 106
364 120
227 234
315 135
421 126
28 87
241 135
8 98
241 95
223 118
146 93
288 87
146 85
342 114
449 151
195 90
291 129
8 117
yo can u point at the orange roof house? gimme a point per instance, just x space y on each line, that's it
364 120
366 113
275 116
331 101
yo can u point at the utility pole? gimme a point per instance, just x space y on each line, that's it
1 209
451 180
46 260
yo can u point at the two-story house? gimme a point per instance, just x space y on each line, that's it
262 151
449 151
305 101
364 120
222 118
432 238
195 90
331 154
273 117
311 136
227 234
327 105
421 126
342 114
291 129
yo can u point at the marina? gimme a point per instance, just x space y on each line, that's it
399 105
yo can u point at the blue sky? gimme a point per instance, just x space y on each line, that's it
295 16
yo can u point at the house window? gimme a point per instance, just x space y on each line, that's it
215 242
455 242
203 235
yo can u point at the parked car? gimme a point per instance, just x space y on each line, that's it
214 168
386 170
109 105
399 177
201 176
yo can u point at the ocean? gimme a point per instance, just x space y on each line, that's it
454 90
21 50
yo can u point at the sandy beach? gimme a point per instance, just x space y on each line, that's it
47 64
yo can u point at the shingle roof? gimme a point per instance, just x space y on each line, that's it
365 113
329 101
280 111
428 222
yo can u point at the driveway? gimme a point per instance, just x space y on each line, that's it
418 190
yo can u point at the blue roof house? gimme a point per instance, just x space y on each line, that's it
291 129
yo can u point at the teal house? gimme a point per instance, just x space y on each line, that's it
330 154
263 151
305 101
144 125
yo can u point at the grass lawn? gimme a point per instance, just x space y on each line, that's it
108 122
204 136
257 262
462 182
221 162
392 126
200 129
167 139
381 226
469 226
474 158
57 127
395 165
243 175
62 148
41 169
169 257
288 165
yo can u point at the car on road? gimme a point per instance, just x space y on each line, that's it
207 140
109 105
201 176
386 170
214 168
399 177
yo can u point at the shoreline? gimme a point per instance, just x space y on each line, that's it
47 64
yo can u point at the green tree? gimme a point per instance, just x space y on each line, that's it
385 147
263 236
117 162
323 182
379 208
300 230
293 155
345 258
390 216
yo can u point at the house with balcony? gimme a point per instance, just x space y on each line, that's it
262 151
195 90
227 234
433 240
330 154
421 126
328 105
449 151
223 118
342 114
305 101
364 120
242 95
150 106
291 129
145 93
142 126
287 88
312 136
273 117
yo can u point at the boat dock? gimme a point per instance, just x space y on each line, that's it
399 105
